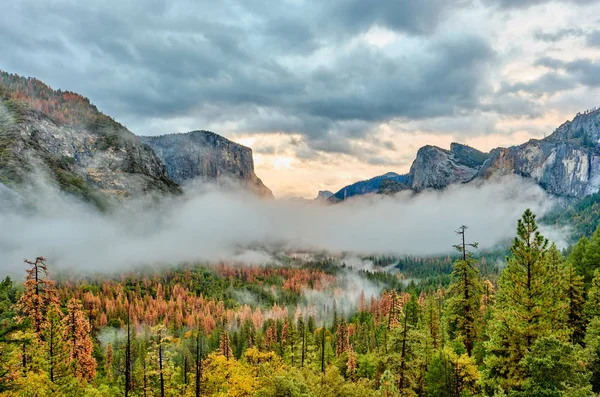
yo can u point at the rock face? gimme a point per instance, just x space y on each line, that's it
437 168
99 161
206 156
566 163
323 195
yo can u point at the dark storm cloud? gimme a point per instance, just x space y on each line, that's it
257 65
515 4
408 16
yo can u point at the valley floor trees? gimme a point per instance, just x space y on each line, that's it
532 330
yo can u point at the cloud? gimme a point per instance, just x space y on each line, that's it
584 71
329 71
212 225
547 84
239 63
558 35
593 39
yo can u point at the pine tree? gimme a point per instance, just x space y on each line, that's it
591 258
575 311
341 338
465 290
199 358
526 304
39 294
592 304
159 342
128 355
577 256
302 334
351 364
387 387
336 320
109 357
77 333
53 333
225 344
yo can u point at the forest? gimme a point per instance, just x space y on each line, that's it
470 324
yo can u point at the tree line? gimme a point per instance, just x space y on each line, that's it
533 329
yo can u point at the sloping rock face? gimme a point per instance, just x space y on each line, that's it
206 156
98 161
437 168
566 163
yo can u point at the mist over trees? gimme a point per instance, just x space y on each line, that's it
467 329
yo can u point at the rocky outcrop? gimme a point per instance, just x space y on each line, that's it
99 161
566 163
323 195
436 168
206 156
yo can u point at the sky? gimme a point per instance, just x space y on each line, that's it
326 93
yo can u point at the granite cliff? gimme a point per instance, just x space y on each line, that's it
206 156
566 163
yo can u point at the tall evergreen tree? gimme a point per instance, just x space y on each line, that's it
53 333
39 293
465 293
526 305
592 304
77 332
575 312
591 258
576 258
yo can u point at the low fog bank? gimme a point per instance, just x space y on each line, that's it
212 225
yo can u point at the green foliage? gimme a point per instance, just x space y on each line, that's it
530 304
285 386
452 375
555 368
463 305
592 347
367 365
582 215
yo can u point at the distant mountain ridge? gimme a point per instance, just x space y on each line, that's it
369 186
566 164
433 168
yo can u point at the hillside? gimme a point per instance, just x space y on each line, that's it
62 136
100 161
